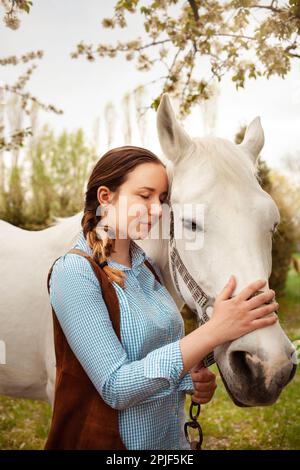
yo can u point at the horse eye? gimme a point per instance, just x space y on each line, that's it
191 225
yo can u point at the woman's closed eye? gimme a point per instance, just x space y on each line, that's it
147 197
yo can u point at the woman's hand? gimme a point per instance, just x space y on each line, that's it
236 316
204 384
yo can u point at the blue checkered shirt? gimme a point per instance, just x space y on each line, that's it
140 375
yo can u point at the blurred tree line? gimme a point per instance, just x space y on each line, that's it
55 182
47 177
48 181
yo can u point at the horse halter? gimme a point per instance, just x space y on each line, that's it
204 301
199 296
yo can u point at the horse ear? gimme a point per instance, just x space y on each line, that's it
173 139
254 139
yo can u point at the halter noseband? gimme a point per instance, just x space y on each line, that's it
200 297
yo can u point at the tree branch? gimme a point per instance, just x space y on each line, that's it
189 74
267 7
194 8
155 43
291 54
234 36
292 47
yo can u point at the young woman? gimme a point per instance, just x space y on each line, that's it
143 375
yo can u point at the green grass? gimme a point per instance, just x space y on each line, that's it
24 424
289 313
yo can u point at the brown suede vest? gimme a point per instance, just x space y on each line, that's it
81 419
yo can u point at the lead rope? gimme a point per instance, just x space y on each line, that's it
204 301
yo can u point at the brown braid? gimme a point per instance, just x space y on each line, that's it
102 247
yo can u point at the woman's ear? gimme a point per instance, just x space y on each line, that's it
103 195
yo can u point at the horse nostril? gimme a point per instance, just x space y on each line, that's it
250 366
241 362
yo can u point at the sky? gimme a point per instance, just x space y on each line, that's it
83 89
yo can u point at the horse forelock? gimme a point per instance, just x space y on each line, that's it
226 160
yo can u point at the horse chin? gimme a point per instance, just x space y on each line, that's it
233 398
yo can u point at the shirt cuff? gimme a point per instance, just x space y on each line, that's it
165 362
186 383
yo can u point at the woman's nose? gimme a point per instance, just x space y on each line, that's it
156 210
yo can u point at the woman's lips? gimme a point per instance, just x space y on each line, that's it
146 223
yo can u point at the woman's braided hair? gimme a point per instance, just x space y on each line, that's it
111 170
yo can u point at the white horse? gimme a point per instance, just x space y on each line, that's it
239 219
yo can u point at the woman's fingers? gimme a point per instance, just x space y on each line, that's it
201 394
265 310
264 316
260 299
201 401
205 386
203 375
204 382
265 321
228 289
250 290
200 397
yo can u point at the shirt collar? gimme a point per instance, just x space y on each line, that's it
138 255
